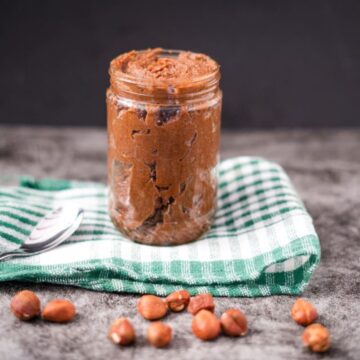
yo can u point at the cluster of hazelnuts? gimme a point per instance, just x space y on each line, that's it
315 336
205 325
25 305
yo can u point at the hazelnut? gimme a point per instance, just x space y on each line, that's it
178 300
151 307
234 323
25 305
316 337
201 302
59 311
303 312
122 332
205 325
159 334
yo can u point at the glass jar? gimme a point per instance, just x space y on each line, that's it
163 145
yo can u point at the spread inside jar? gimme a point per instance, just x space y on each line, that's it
172 67
162 154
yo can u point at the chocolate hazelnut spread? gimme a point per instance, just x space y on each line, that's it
164 111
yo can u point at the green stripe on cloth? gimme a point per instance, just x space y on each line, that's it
262 241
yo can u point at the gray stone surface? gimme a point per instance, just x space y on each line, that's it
325 167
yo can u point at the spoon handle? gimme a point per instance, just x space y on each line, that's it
10 254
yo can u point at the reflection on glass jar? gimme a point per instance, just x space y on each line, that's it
164 111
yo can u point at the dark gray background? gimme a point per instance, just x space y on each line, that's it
284 63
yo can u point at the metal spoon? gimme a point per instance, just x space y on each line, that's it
57 226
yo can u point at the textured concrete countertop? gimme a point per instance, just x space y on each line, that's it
325 168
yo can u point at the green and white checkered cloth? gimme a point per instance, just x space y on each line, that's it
262 241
